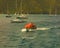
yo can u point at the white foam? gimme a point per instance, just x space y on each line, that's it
24 30
29 37
42 28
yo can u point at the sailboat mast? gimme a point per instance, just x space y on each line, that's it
55 11
7 9
55 8
21 6
16 7
50 8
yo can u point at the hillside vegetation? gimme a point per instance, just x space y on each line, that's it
30 6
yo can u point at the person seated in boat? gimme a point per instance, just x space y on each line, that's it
30 26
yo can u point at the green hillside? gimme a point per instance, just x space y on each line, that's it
30 6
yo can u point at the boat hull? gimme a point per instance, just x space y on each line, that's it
8 16
21 17
30 30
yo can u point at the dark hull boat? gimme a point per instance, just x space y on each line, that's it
18 21
8 16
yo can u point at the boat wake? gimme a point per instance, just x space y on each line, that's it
29 37
24 30
32 34
43 28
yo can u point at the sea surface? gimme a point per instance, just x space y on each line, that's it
12 37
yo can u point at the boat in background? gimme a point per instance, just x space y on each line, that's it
20 13
8 16
17 21
22 16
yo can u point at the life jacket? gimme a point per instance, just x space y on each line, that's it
30 26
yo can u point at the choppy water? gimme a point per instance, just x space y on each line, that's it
11 36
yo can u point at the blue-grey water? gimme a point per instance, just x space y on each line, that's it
11 35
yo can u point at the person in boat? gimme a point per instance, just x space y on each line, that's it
30 26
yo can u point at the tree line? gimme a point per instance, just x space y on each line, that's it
30 6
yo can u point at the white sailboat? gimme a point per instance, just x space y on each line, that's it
17 19
52 6
21 15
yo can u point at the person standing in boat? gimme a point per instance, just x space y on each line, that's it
30 26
